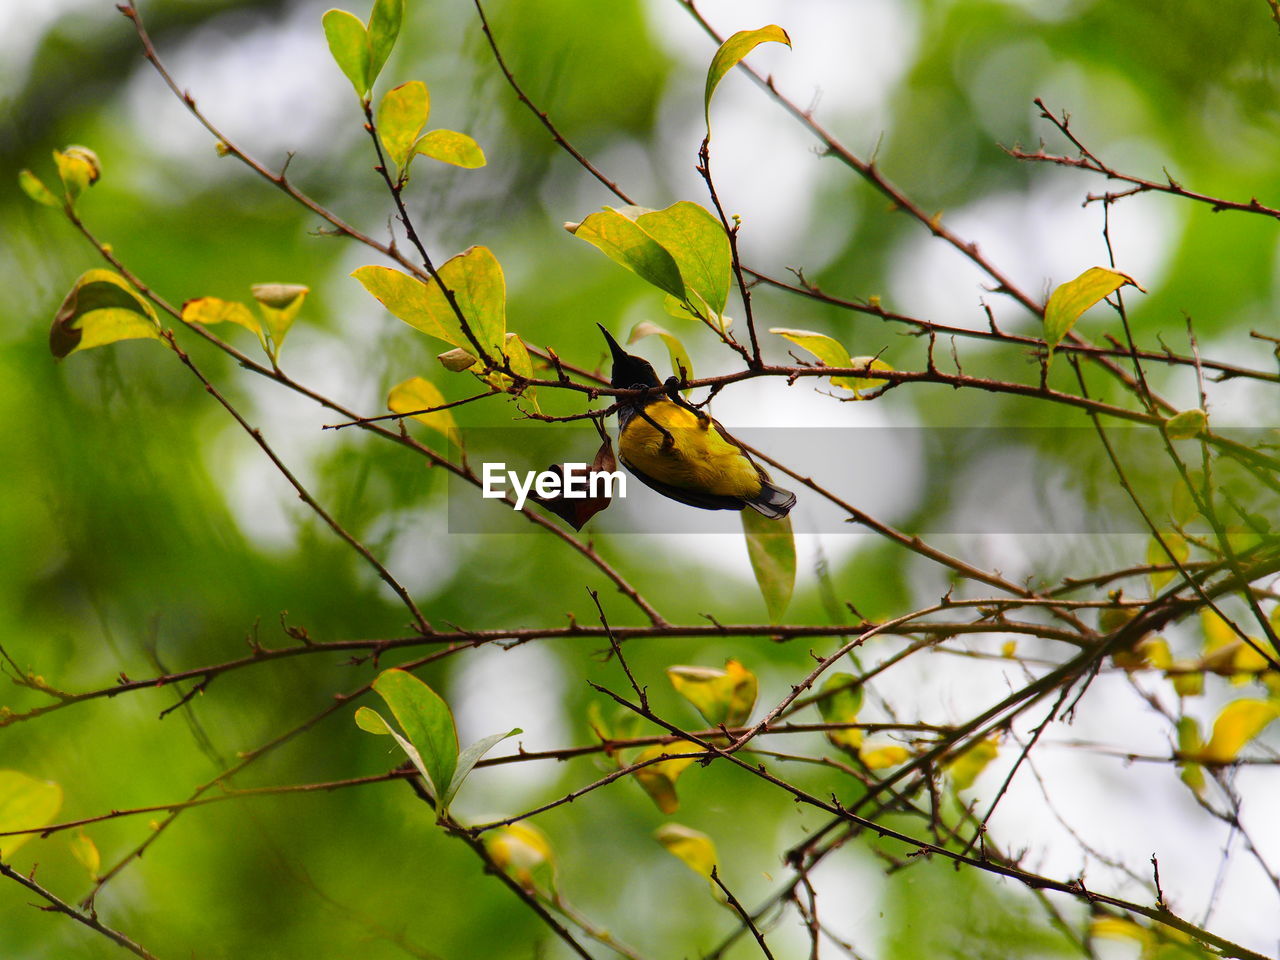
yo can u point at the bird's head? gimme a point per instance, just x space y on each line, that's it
629 370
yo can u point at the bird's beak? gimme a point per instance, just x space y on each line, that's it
619 355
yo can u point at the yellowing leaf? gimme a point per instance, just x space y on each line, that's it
1217 632
878 758
402 113
86 851
731 52
207 310
417 393
1188 684
1190 746
101 308
520 849
1186 425
1238 723
964 769
450 146
34 188
1009 649
1121 928
694 848
79 169
349 46
833 354
839 700
25 803
1074 297
370 721
659 779
476 281
858 384
279 304
722 696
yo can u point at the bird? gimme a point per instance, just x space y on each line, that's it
682 452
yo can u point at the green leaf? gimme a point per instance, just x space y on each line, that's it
1238 723
772 548
34 188
1074 297
384 27
370 721
449 146
101 308
624 241
402 113
474 276
697 242
694 848
25 803
349 46
521 365
964 769
417 393
840 699
731 52
468 759
722 696
79 169
1156 556
279 304
427 721
1186 425
680 362
1190 745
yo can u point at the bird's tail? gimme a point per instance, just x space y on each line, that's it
772 501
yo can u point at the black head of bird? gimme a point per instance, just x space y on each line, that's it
680 451
629 370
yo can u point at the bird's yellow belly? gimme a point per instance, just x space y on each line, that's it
695 457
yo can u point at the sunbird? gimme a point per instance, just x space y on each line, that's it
681 452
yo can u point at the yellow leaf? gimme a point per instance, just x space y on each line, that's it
1238 723
402 113
722 696
1074 297
1121 928
79 169
86 851
520 849
731 53
878 758
659 779
964 769
34 188
1186 425
1009 649
452 147
1217 632
417 393
207 310
695 849
25 803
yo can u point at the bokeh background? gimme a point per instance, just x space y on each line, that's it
140 529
